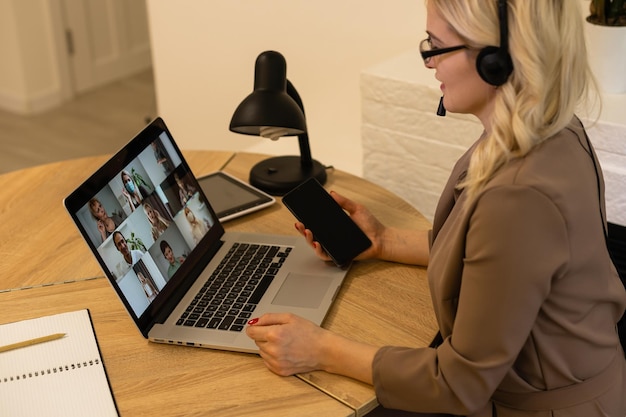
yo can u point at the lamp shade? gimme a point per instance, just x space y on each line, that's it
272 110
269 105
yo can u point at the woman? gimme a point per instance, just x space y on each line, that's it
524 292
198 227
106 224
185 190
158 223
148 286
131 190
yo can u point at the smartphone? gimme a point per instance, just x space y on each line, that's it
332 227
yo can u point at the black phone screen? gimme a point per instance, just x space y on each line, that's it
332 227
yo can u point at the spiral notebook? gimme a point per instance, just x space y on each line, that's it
62 377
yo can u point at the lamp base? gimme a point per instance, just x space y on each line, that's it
281 174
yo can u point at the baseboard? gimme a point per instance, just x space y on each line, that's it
34 104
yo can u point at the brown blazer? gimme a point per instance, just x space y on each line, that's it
525 295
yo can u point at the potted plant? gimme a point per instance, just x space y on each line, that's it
135 243
606 37
144 187
607 12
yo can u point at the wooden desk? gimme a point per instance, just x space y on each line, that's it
150 379
380 303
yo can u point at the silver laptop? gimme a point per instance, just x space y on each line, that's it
181 277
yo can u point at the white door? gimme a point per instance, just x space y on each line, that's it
107 40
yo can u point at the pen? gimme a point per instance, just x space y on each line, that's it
31 342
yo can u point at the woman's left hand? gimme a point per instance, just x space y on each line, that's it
287 343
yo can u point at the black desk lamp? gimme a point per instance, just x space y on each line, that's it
274 109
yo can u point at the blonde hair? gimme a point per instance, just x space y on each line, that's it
551 75
161 223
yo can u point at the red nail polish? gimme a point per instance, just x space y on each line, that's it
252 322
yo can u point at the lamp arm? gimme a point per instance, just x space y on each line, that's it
306 160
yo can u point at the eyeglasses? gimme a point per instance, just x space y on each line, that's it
428 51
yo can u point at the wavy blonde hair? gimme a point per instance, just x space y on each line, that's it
550 79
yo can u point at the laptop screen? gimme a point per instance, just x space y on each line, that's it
144 216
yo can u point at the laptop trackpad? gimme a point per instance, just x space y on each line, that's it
302 290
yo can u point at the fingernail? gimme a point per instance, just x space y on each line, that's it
252 322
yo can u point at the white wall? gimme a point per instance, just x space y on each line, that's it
204 53
10 77
32 78
410 150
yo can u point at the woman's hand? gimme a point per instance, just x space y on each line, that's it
290 344
362 217
287 343
102 229
388 243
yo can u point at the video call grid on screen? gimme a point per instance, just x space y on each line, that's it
154 218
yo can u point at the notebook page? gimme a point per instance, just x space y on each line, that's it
63 377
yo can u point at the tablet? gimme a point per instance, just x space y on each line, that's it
231 197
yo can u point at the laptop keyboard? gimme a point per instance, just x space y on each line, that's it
232 292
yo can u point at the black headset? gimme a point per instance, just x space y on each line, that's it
494 63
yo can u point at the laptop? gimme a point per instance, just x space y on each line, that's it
165 252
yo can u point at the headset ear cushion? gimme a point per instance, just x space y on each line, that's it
493 65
